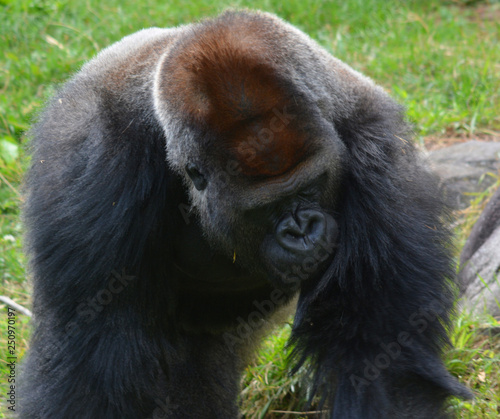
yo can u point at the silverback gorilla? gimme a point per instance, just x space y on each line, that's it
186 186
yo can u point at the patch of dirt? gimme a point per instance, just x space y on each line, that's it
435 142
485 12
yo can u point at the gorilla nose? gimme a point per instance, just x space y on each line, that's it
303 231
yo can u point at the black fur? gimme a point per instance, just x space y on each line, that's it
132 319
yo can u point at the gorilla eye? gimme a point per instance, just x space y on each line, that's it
197 178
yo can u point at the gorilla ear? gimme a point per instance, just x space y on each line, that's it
221 77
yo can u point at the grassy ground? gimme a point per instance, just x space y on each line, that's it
439 58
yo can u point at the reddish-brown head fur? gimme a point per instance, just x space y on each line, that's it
225 78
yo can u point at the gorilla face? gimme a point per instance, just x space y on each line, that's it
274 193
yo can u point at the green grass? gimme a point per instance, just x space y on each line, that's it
438 58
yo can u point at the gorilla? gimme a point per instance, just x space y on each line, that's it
188 187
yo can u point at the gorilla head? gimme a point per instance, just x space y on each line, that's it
261 163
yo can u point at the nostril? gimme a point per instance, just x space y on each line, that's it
312 224
290 228
293 234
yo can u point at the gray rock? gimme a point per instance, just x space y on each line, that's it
462 169
480 262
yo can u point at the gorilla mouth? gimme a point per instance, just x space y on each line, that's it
309 268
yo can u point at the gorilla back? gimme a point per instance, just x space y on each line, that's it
186 185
